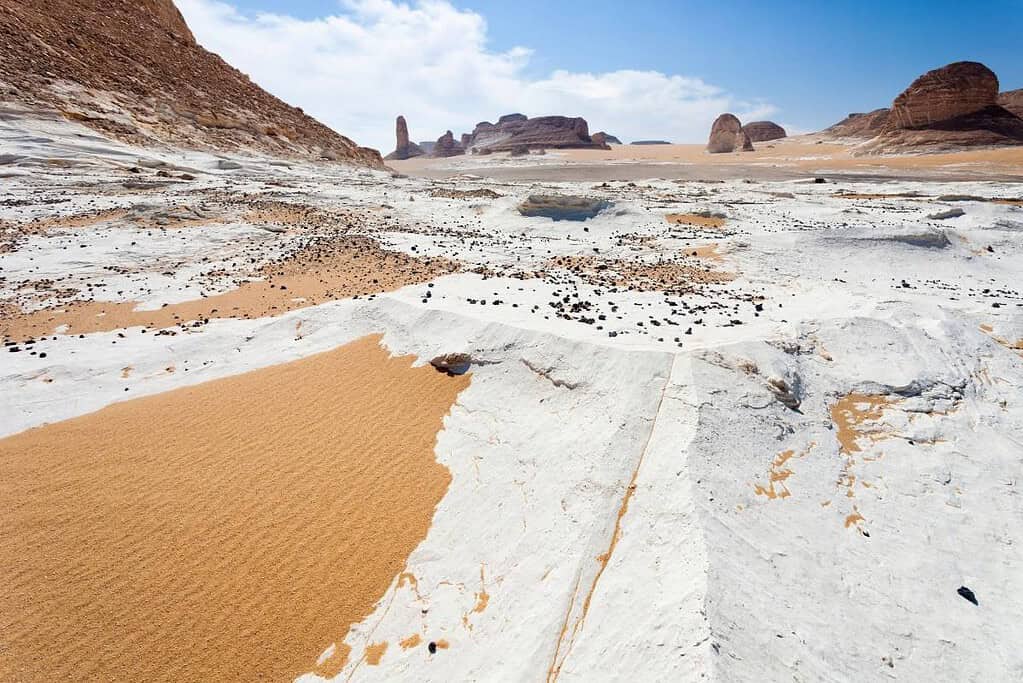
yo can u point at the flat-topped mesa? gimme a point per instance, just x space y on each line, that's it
727 135
446 146
404 149
515 131
764 131
131 69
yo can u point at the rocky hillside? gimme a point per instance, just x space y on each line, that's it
1013 101
133 70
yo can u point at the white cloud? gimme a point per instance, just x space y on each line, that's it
375 59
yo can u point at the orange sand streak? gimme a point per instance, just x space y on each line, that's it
695 220
306 279
411 641
220 532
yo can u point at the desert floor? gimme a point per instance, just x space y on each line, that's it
740 424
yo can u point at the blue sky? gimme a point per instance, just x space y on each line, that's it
812 62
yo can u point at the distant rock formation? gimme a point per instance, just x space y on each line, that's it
1013 101
860 125
727 135
427 146
404 149
603 138
545 132
650 142
763 131
131 69
446 146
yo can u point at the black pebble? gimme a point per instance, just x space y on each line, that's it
967 594
432 647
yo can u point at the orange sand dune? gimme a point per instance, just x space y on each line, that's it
228 531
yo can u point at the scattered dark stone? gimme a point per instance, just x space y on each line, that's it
453 363
967 594
432 647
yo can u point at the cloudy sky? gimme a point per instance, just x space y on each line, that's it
654 69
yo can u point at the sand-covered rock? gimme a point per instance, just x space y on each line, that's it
404 149
762 131
727 135
131 69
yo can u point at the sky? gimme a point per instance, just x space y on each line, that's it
658 69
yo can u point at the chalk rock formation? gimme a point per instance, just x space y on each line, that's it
545 132
762 131
953 90
727 135
404 149
446 146
132 70
1013 101
603 138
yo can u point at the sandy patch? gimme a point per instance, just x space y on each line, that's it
330 269
228 531
695 219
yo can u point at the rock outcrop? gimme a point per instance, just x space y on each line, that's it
603 138
942 94
404 149
762 131
860 125
132 70
727 135
447 146
545 132
1013 101
948 109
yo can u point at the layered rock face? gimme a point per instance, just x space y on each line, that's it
762 131
404 149
132 70
948 109
446 146
953 90
1013 101
727 135
954 107
545 132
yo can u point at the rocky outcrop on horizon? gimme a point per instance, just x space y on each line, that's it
727 135
447 146
132 70
404 149
514 131
763 131
603 138
951 108
860 125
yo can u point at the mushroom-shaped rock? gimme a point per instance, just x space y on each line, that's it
726 135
